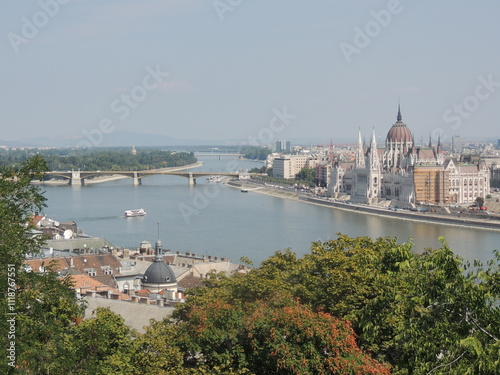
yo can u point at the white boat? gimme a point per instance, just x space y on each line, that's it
134 213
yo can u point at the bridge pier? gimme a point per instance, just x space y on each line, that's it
75 180
137 180
191 179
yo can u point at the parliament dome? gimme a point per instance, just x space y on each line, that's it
399 132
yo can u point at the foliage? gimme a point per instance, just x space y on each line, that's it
479 202
45 307
273 336
307 176
255 152
106 160
418 312
102 345
262 169
348 307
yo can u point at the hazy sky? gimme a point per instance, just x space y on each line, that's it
241 69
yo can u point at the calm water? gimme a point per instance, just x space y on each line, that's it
214 219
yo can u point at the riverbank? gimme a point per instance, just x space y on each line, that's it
101 179
426 217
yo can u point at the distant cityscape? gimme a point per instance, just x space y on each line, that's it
400 172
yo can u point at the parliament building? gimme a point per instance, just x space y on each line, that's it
406 174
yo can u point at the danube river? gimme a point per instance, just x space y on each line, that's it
214 219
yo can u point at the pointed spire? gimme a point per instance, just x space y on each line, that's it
158 247
374 159
373 141
360 155
400 118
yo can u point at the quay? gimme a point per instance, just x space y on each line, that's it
492 223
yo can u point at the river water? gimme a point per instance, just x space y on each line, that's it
214 219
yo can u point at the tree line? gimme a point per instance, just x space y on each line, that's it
349 306
106 160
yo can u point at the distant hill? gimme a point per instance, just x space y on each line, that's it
124 138
120 138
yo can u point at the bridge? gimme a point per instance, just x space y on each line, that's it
77 178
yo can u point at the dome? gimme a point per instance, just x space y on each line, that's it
159 273
399 132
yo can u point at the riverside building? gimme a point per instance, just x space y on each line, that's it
406 174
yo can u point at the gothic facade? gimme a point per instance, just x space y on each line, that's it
397 172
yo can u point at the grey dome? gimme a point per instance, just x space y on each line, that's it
159 273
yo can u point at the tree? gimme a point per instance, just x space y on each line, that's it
479 202
421 313
154 352
273 336
102 345
307 176
43 306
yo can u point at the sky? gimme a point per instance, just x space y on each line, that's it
255 71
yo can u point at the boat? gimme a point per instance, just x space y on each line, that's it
244 190
134 213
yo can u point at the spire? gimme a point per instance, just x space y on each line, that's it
360 156
400 118
158 247
374 159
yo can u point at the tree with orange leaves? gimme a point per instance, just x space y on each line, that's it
273 336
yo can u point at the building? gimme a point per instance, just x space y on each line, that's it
281 146
159 276
406 174
432 184
288 166
456 144
495 175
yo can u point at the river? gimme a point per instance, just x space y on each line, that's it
214 219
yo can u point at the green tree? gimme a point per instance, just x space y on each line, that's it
479 202
155 352
307 176
418 312
45 307
102 345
